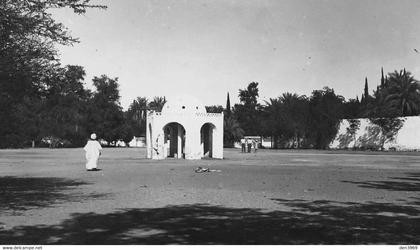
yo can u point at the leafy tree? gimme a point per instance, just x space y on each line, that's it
350 135
65 107
389 127
28 61
27 120
248 111
371 139
106 115
325 109
379 108
352 109
28 34
20 99
126 133
249 96
354 126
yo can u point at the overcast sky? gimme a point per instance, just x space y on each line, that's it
207 48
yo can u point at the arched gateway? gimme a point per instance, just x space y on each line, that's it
184 130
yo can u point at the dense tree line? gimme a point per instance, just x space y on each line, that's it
299 121
38 96
44 102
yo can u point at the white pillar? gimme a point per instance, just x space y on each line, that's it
179 146
211 141
148 140
218 139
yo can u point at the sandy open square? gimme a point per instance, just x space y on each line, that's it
271 197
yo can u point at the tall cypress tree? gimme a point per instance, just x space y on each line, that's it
228 111
382 77
366 92
365 96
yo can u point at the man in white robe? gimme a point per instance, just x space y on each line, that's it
93 151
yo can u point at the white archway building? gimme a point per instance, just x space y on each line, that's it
184 130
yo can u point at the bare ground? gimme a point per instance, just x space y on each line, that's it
272 197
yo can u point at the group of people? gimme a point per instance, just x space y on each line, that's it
93 150
249 144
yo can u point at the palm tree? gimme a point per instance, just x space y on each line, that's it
274 119
157 103
295 113
403 93
136 115
232 131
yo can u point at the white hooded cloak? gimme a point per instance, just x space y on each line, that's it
93 150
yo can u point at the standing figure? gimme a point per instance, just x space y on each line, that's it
243 145
93 151
159 147
156 147
249 145
255 145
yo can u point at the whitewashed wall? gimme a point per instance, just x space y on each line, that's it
192 123
407 139
138 142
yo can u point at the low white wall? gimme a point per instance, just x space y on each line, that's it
407 138
138 142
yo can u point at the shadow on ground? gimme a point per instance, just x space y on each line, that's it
306 222
409 183
22 193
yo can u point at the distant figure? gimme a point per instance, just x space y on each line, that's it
249 145
93 151
158 145
243 145
255 145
